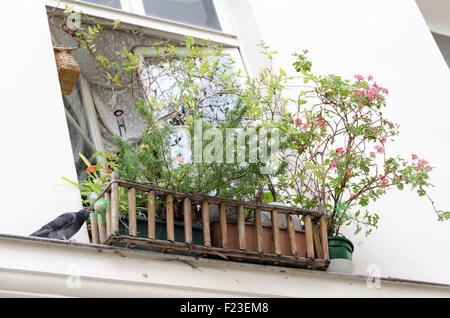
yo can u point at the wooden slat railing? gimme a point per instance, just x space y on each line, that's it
317 256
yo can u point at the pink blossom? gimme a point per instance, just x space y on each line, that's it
359 77
370 77
180 159
340 150
298 122
358 93
384 180
305 51
428 168
321 122
332 165
414 156
373 154
371 95
376 87
379 148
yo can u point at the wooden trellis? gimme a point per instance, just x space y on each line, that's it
106 229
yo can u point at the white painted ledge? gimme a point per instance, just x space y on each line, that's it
33 267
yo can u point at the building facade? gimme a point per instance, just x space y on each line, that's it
390 40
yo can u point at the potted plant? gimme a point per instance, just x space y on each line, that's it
336 149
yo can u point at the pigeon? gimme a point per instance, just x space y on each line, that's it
64 226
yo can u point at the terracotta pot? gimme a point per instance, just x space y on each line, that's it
250 237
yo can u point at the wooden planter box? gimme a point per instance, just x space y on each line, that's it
250 237
161 232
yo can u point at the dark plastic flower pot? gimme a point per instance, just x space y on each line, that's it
340 247
161 232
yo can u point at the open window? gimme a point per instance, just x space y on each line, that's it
208 14
163 84
93 107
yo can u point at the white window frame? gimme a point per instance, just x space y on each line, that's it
133 12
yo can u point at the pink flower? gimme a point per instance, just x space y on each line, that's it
379 149
373 154
321 122
422 162
305 51
359 77
428 168
298 122
370 77
414 156
352 195
340 150
384 180
371 95
358 93
180 159
386 91
332 165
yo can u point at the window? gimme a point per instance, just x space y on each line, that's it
161 83
207 14
210 15
197 12
108 3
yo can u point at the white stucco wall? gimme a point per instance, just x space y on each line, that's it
390 41
34 140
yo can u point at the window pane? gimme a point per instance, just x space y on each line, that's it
107 3
163 84
196 12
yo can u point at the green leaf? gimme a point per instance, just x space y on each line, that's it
86 161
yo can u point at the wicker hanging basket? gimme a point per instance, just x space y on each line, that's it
68 68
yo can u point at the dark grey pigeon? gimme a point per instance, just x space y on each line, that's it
64 226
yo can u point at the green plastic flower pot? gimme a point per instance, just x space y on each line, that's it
340 247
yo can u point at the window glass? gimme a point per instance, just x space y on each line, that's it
164 85
196 12
107 3
162 82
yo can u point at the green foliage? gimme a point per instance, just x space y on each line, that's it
332 154
335 146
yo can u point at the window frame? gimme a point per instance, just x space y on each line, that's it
133 12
